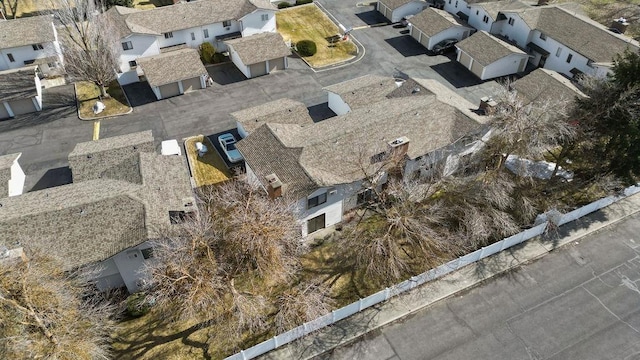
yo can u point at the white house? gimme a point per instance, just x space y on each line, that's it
487 15
395 10
434 25
20 92
174 73
488 57
11 175
30 41
330 166
144 33
259 54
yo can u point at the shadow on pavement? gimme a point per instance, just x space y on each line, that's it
407 46
224 74
372 17
456 74
139 93
57 102
320 112
52 178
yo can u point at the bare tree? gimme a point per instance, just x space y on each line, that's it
47 313
10 7
88 40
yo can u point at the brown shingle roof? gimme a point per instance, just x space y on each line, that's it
259 47
486 49
282 111
543 85
172 66
26 31
433 21
18 83
577 32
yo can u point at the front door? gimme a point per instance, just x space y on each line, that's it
543 59
315 224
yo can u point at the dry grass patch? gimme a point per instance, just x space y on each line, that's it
308 22
209 169
88 93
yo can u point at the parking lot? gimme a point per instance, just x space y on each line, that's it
46 138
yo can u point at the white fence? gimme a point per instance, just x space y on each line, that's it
418 280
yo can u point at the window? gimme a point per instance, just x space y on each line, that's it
147 253
485 19
193 36
317 200
477 12
265 17
37 47
127 45
449 2
569 58
29 62
456 4
316 224
206 33
11 59
168 35
227 23
511 21
543 36
133 63
558 52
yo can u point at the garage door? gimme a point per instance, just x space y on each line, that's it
191 84
258 69
465 59
3 112
276 64
424 40
169 90
476 68
415 33
23 106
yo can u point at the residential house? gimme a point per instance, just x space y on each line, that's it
20 92
434 25
30 41
281 111
488 57
144 33
123 195
11 175
546 85
330 166
395 10
174 72
486 15
259 54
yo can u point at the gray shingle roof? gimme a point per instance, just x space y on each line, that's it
18 83
363 90
494 7
182 15
394 4
577 32
282 111
259 47
26 31
544 84
433 21
486 49
172 66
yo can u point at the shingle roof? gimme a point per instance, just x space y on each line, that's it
486 49
363 90
259 47
577 32
111 143
494 7
282 111
433 21
18 83
394 4
182 15
544 84
172 66
26 31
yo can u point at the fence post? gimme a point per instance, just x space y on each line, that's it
359 304
275 342
244 357
387 293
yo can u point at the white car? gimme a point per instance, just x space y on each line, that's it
228 144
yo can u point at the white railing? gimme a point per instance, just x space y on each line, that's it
435 273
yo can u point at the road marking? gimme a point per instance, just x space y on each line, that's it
96 130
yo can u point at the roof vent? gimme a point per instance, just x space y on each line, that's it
415 90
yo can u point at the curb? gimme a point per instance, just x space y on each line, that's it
75 90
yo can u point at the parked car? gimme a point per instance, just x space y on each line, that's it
444 46
228 144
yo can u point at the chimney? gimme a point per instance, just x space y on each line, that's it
620 24
274 186
399 147
487 105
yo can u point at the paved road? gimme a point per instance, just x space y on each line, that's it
580 302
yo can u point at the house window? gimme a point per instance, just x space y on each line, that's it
558 52
317 200
227 23
147 253
511 21
193 36
29 62
485 19
315 224
11 59
168 35
449 2
569 58
127 45
265 17
456 4
543 36
37 47
477 12
133 64
206 33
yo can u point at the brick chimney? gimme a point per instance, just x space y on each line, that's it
487 105
399 147
274 186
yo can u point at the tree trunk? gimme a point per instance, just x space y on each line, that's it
103 91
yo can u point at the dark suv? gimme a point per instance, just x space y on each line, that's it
444 46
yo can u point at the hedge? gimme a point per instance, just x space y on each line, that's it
306 47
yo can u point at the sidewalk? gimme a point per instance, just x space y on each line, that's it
472 275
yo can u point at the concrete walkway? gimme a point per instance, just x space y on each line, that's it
397 308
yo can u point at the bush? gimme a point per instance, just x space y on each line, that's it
218 58
302 2
306 48
137 305
207 52
283 5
